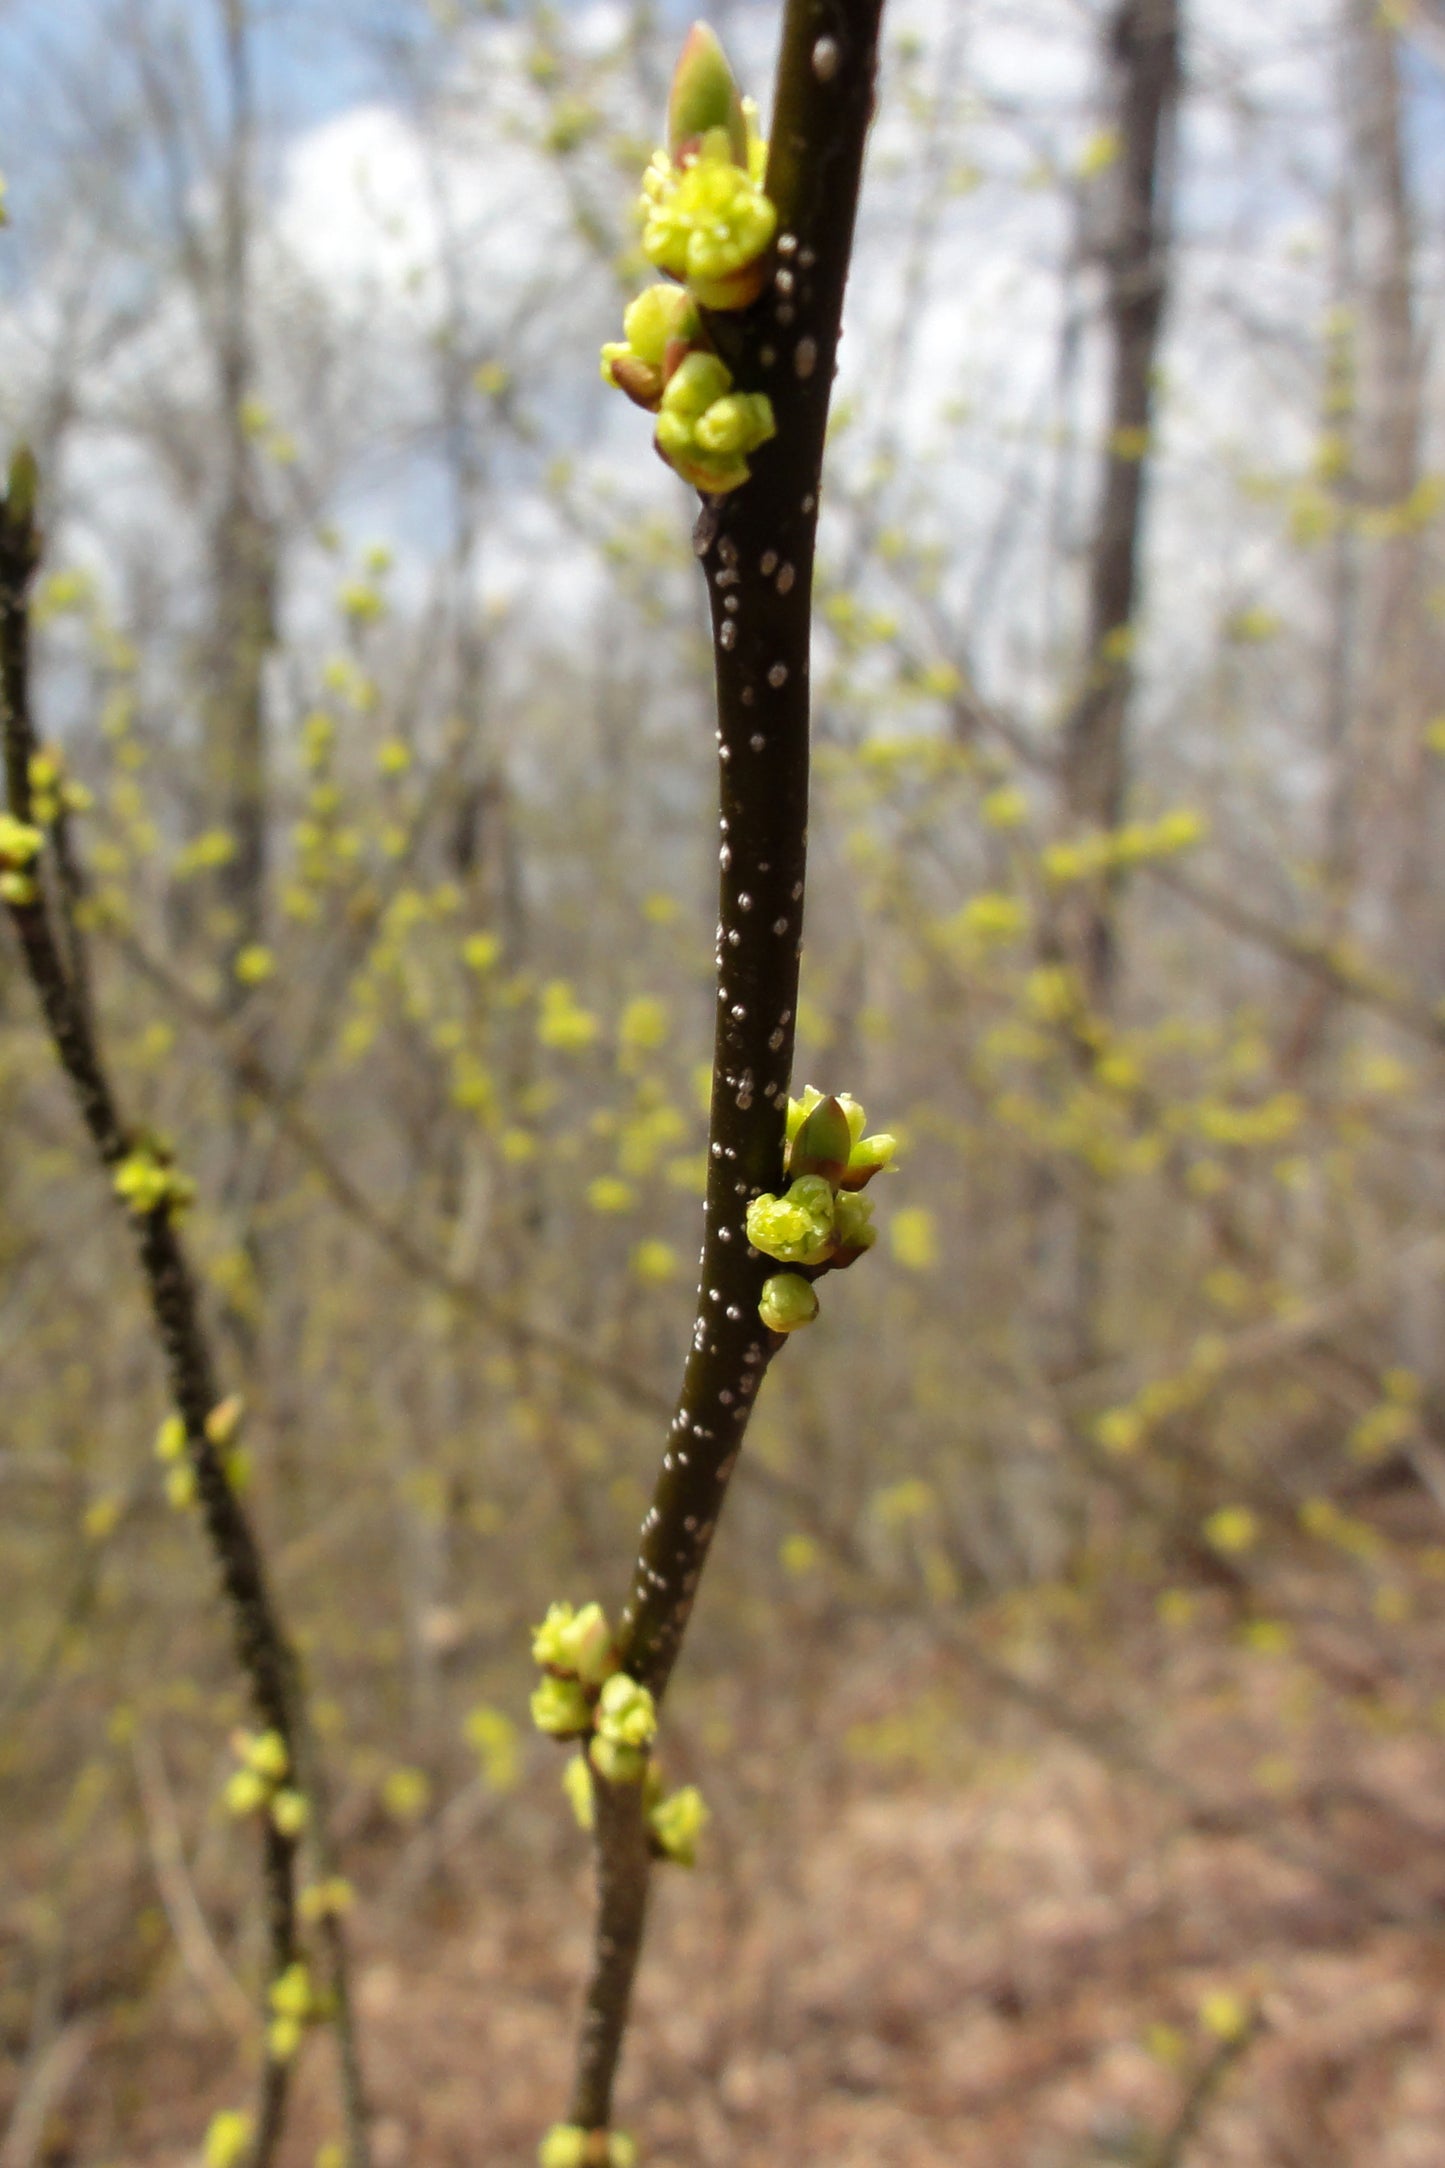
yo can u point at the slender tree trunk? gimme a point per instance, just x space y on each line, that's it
1142 53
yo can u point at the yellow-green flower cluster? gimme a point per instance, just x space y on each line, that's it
19 847
675 1820
820 1223
708 224
584 1694
568 2145
707 220
295 2004
259 1786
51 790
147 1180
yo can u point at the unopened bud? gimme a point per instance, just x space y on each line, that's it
788 1302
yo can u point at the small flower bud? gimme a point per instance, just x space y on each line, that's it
245 1793
267 1755
578 1786
800 1109
561 1709
283 2038
618 1764
549 1640
290 1993
626 1712
677 1822
181 1488
565 2146
225 1419
788 1301
227 2139
170 1439
290 1812
855 1230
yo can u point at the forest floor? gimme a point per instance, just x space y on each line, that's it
1025 1956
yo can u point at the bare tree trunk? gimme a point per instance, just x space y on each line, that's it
243 551
1142 46
1142 49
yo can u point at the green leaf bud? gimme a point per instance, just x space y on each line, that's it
705 95
561 1709
565 2146
677 1822
621 2150
853 1113
796 1228
822 1143
618 1764
800 1109
788 1301
19 889
626 1712
869 1156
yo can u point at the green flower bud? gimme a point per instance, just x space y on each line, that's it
660 316
549 1642
626 1712
677 1822
855 1230
561 1709
788 1301
565 2146
822 1143
869 1156
736 424
590 1650
705 95
618 1764
796 1228
621 2150
19 889
694 385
